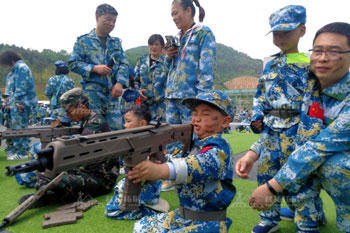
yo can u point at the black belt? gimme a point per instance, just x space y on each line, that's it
282 113
203 216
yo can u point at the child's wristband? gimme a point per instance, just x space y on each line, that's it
272 190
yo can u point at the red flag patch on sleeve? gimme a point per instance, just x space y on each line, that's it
205 149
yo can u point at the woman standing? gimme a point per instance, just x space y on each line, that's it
58 84
150 77
191 64
21 98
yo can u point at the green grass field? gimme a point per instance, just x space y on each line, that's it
243 217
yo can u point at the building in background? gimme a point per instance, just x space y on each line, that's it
242 90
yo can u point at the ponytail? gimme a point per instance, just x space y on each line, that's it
201 10
189 3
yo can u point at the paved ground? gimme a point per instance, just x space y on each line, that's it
253 172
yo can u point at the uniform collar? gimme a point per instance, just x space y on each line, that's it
339 90
93 35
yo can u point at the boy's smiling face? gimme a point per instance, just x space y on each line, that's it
207 121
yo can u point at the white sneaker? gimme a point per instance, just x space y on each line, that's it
17 157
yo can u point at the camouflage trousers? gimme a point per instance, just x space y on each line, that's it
149 196
307 204
20 120
9 142
84 183
173 222
334 175
157 108
102 102
176 113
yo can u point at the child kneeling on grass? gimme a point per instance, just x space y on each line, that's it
203 178
149 202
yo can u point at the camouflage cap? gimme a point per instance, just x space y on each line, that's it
72 97
106 9
288 18
60 64
216 99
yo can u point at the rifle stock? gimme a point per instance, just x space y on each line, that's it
133 145
27 203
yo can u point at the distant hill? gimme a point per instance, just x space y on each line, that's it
230 64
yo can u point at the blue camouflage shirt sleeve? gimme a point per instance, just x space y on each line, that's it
88 52
259 101
207 62
213 162
77 63
305 160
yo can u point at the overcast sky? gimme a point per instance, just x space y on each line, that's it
240 24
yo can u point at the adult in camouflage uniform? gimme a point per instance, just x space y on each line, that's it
59 84
151 75
21 98
92 180
276 114
203 178
324 158
192 64
91 54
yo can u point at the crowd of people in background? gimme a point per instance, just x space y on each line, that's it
300 108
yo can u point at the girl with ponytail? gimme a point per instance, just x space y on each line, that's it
191 63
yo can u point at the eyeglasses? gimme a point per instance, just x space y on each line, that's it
332 54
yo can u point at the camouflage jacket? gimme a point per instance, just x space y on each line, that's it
204 177
54 83
192 70
331 134
281 86
88 52
20 86
152 78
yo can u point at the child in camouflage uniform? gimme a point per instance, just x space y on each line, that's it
276 114
92 180
325 127
59 84
203 178
151 75
149 202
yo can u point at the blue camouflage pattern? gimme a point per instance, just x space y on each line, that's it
29 179
20 86
287 18
150 193
222 101
325 156
87 53
206 186
191 71
53 85
282 86
153 80
20 89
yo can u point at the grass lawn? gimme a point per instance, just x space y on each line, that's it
243 217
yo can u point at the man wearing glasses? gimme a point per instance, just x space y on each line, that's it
325 119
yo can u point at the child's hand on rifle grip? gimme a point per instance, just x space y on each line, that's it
148 170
